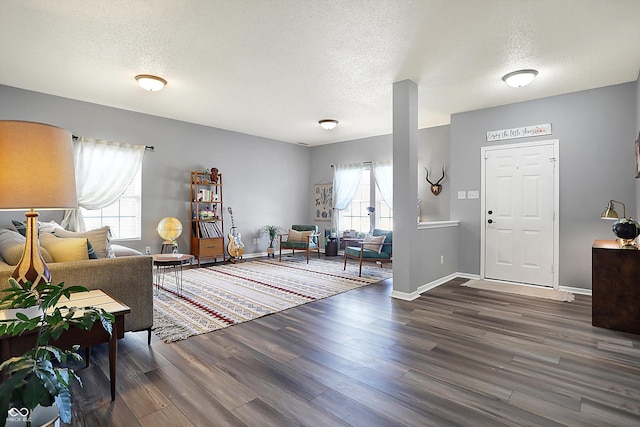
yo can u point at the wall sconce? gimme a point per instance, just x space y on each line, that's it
625 229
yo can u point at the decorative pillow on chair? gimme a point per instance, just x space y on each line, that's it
67 249
373 243
99 238
299 236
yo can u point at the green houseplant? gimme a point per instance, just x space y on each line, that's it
35 378
271 231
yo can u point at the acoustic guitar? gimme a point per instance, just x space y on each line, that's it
235 246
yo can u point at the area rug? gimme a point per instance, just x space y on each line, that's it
220 296
526 290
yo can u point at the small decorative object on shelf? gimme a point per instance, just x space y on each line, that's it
207 224
626 228
214 175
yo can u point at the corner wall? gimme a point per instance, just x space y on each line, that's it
594 128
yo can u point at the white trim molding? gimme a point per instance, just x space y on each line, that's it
437 224
431 285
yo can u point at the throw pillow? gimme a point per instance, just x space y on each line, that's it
373 243
47 227
298 236
67 249
21 227
12 247
99 238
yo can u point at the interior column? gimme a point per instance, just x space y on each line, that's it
405 183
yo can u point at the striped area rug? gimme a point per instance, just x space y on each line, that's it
220 296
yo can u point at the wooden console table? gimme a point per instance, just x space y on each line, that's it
14 346
615 287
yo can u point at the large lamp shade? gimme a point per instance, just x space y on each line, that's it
36 172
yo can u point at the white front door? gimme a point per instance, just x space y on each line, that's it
519 219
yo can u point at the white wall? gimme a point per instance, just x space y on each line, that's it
265 181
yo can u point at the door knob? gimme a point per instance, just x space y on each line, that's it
490 221
490 212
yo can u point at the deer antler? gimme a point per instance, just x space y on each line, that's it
439 181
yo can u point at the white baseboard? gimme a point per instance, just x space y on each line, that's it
428 286
580 291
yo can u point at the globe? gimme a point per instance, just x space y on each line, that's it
170 228
627 230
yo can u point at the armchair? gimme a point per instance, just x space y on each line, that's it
301 237
363 251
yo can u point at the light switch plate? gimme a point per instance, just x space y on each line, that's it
473 194
462 195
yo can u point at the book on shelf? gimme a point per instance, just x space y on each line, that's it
207 196
209 230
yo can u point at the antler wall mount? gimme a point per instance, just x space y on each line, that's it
436 188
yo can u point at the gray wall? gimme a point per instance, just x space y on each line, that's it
376 148
594 128
265 181
637 134
433 153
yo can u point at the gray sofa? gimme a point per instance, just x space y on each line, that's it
129 279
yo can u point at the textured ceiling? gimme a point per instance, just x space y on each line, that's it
273 68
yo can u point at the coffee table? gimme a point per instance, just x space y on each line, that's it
13 346
175 261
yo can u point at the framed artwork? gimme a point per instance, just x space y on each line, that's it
638 156
324 199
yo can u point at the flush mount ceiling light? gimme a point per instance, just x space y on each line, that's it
151 83
328 124
520 78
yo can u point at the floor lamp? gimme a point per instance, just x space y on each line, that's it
36 172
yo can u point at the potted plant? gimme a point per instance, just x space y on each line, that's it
272 231
35 378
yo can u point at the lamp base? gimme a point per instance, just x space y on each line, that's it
31 267
628 244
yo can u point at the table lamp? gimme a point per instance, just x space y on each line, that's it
170 229
625 229
36 172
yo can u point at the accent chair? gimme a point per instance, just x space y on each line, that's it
302 238
371 250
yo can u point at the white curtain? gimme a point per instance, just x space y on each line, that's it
383 173
346 179
104 170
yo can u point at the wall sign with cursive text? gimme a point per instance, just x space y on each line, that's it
523 132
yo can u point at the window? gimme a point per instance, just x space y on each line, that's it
356 216
123 216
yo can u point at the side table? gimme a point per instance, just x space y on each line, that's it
331 248
12 346
176 261
615 301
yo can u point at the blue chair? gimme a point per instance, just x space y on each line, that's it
308 243
363 254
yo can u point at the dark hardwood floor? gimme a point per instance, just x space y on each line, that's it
454 356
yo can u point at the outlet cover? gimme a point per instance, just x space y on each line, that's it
462 195
147 250
473 194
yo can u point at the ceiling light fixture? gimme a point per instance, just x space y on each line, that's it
328 124
151 83
520 78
